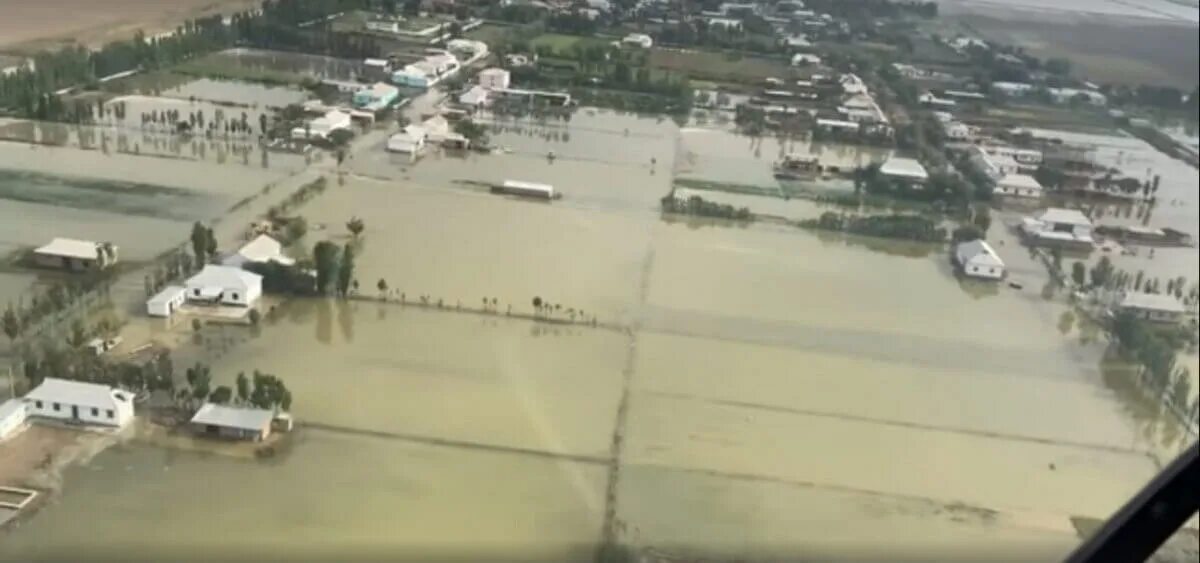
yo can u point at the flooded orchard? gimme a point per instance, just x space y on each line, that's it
748 391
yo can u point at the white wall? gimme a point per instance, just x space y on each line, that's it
122 413
9 426
983 271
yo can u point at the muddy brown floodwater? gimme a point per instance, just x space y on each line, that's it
773 393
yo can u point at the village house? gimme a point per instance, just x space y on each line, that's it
1159 308
233 423
166 302
322 127
1018 185
81 403
409 141
13 414
929 99
957 130
805 59
905 170
1059 227
75 255
638 40
476 97
495 78
224 285
976 259
428 71
261 250
376 97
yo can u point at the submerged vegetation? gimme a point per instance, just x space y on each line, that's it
895 226
698 206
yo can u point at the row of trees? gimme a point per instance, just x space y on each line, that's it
1156 355
698 206
895 226
24 318
261 390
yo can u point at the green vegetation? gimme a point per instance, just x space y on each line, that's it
895 226
696 205
1155 351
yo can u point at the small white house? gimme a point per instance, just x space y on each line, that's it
261 250
476 97
1159 308
224 285
495 78
1018 185
803 59
977 260
1059 226
527 189
638 40
905 170
80 402
218 421
409 141
12 418
166 302
75 255
321 127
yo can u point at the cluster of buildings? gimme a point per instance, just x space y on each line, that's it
226 284
1009 169
414 138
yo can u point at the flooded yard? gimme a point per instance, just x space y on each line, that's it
752 391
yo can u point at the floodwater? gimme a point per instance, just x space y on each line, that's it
316 66
774 392
254 95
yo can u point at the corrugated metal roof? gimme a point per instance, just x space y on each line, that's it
77 393
233 417
70 247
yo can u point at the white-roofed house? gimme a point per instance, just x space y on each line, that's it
1058 226
1159 308
13 414
906 170
476 97
1019 185
409 141
167 301
977 259
75 255
802 59
233 423
224 285
638 40
80 402
321 127
495 78
261 250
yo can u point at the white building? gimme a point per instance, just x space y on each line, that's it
167 301
495 78
957 130
930 99
261 250
528 189
1026 157
852 84
1019 185
1012 88
476 97
638 40
224 285
409 141
977 259
904 169
13 413
321 127
428 71
75 255
79 402
802 59
1057 226
1160 308
233 423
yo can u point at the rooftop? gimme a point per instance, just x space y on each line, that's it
224 277
73 248
1022 181
264 249
904 168
1152 302
1068 216
76 393
10 407
971 250
233 417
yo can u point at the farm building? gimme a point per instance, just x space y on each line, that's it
167 301
1153 307
976 259
321 127
79 402
233 423
224 285
1019 185
376 96
1057 226
261 250
906 170
495 78
75 255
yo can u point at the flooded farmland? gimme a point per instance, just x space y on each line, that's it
750 392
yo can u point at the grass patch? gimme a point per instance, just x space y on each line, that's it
560 43
719 66
208 68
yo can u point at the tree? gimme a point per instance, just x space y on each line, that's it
221 395
211 243
537 304
982 219
200 242
382 286
966 233
346 270
325 256
1056 258
1078 273
262 124
389 7
412 7
355 226
11 323
296 228
1102 272
1181 389
243 387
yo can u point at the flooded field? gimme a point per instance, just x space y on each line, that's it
253 95
316 66
753 391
